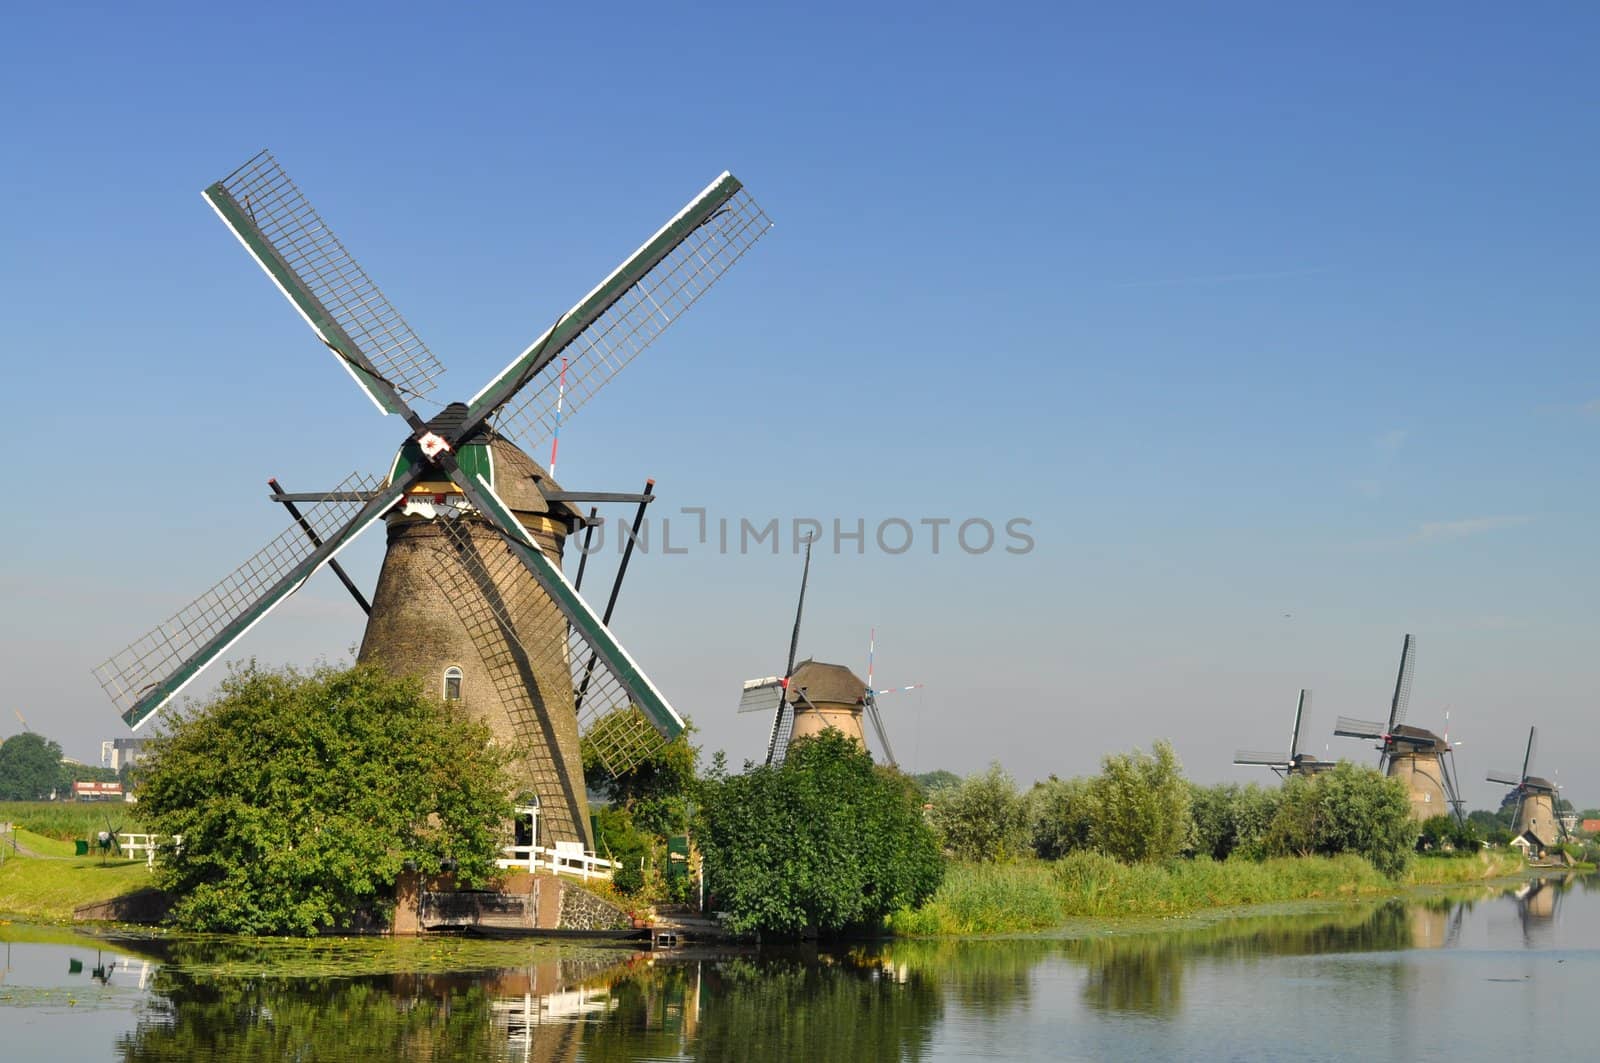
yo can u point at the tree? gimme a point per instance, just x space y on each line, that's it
1142 805
823 842
939 779
982 819
1061 816
1229 818
1436 832
30 768
300 796
1347 810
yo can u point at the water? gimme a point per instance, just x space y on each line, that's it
1486 975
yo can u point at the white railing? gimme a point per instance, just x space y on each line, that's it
564 858
135 845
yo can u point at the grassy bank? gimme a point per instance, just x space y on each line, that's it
1025 896
51 884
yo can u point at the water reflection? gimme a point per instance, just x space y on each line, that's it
906 1000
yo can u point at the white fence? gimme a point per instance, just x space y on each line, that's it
564 858
135 845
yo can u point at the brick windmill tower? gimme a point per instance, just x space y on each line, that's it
1423 760
472 597
1535 798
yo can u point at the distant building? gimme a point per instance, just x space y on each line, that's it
97 791
119 751
1590 826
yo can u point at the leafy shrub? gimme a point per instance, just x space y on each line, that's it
1061 815
823 842
1347 810
1229 818
1141 802
300 796
984 818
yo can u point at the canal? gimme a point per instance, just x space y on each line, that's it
1488 974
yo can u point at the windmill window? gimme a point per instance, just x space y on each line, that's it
452 683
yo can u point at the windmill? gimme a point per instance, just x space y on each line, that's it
1296 762
471 595
1422 759
811 696
1535 799
109 841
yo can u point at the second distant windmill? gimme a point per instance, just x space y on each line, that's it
1422 759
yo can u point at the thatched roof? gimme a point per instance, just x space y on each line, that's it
832 684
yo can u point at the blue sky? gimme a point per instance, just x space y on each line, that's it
1252 312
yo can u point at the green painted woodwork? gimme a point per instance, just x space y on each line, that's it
580 317
334 336
549 576
475 459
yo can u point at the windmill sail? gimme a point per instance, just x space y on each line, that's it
762 695
148 673
290 241
877 726
1350 727
1251 756
1299 716
623 314
1402 683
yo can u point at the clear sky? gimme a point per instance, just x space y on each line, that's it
1276 321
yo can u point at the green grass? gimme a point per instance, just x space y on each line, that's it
1033 895
66 820
51 887
1451 870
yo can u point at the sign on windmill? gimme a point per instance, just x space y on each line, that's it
471 595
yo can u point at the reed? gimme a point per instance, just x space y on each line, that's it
66 820
1035 895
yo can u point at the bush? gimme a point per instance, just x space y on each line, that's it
1061 816
823 842
1141 804
301 796
1347 810
617 838
1229 818
982 819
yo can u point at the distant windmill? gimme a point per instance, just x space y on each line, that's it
812 696
1296 762
1535 799
1423 760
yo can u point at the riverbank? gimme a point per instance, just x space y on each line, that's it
1036 895
42 880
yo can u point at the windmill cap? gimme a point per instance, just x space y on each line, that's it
832 684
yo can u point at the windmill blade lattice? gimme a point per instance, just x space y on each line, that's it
1299 717
1402 683
291 242
618 732
631 321
877 725
162 657
1350 727
1533 745
1249 756
761 695
1504 778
